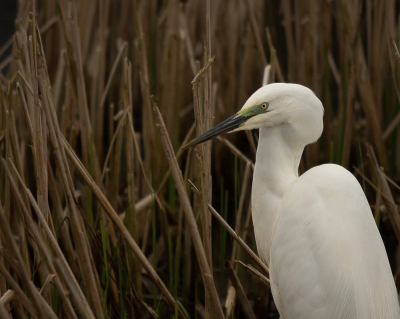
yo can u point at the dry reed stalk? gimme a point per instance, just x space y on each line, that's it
350 17
53 243
287 23
63 229
76 68
246 307
204 158
41 308
84 255
13 151
149 134
247 225
120 125
236 151
375 187
203 114
121 227
325 39
133 263
231 232
168 88
19 292
57 86
365 89
6 45
186 38
235 252
178 155
378 202
7 297
49 235
3 312
267 75
256 31
140 205
396 119
26 113
7 187
121 51
208 281
274 60
41 179
81 308
254 273
240 209
393 210
112 180
349 124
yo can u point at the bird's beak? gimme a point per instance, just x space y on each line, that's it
226 126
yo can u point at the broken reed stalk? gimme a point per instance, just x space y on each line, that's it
241 295
208 281
121 227
7 297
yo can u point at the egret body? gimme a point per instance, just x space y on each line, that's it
315 232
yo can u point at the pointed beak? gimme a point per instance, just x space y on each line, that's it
226 126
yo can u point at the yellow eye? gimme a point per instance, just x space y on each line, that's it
263 106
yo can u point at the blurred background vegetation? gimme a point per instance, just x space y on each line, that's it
86 69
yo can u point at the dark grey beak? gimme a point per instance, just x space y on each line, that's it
226 126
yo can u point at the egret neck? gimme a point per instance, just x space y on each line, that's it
276 169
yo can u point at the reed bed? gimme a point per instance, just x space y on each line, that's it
102 215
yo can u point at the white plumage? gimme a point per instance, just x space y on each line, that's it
315 232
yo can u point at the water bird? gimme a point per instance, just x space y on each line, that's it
316 231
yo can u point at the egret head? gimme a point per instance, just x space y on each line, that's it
293 107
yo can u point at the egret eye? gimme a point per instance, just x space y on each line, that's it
263 106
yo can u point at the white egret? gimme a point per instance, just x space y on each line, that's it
315 232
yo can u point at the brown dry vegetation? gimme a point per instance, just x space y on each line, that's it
97 216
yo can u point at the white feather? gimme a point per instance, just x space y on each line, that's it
316 231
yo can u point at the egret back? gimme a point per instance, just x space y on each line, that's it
327 257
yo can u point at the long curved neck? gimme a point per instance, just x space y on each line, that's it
276 169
